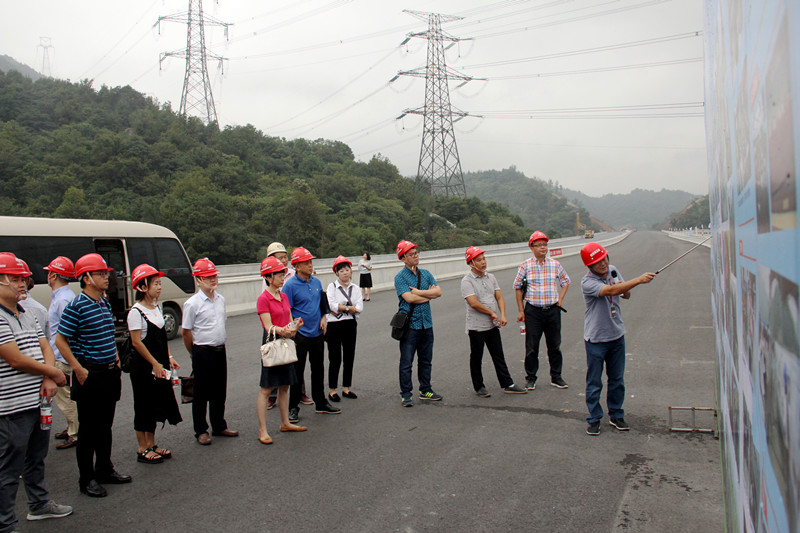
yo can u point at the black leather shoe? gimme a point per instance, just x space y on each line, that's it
114 478
334 397
328 409
94 489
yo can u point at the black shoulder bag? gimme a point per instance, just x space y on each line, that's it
401 322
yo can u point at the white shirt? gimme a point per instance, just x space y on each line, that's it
137 322
206 319
336 298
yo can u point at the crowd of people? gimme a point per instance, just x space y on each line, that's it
68 352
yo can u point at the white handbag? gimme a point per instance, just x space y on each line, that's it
279 351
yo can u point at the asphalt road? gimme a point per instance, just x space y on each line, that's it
509 462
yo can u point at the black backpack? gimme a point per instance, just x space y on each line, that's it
127 353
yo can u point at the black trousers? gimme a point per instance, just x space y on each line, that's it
341 339
210 369
97 401
312 348
492 340
537 322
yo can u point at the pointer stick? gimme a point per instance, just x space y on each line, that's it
684 255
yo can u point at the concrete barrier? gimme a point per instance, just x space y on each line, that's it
241 285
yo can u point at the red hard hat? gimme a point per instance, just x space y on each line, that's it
10 264
300 255
592 253
62 266
403 247
536 236
143 271
472 252
204 268
339 260
270 265
91 263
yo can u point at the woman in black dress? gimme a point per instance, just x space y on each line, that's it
153 397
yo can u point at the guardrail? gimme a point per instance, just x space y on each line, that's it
695 236
241 284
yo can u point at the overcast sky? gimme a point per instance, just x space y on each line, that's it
321 69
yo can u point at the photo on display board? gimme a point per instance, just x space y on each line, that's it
778 87
780 381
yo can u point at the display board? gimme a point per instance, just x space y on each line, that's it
752 99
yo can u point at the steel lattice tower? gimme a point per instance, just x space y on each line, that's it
196 96
46 44
439 164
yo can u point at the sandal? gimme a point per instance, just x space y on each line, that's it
149 456
163 452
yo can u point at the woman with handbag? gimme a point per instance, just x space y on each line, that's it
345 302
276 320
153 397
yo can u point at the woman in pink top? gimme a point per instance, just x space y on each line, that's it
273 310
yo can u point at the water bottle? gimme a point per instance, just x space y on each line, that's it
522 328
45 413
292 324
496 322
175 379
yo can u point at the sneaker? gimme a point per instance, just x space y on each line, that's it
483 393
294 415
620 424
271 403
327 409
430 396
558 383
530 384
50 510
513 389
406 401
593 429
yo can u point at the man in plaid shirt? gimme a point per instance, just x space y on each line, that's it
540 287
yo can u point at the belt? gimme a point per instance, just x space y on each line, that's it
220 348
99 366
542 307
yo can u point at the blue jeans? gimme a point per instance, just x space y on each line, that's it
421 342
612 354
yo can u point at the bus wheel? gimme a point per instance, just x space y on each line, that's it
172 321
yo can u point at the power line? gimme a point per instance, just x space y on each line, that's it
596 49
599 69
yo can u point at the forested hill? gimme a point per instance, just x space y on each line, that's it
639 208
68 150
535 200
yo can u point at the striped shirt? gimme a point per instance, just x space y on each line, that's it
19 391
544 281
89 326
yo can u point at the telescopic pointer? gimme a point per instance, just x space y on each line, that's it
683 255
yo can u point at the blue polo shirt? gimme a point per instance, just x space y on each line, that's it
305 298
421 319
598 324
89 326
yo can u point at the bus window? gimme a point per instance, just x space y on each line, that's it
39 251
112 252
165 255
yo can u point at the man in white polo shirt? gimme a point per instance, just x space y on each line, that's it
203 331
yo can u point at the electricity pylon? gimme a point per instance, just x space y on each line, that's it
439 164
46 44
196 96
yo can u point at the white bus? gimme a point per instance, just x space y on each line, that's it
124 246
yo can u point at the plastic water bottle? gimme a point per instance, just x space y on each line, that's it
45 413
522 328
496 322
175 379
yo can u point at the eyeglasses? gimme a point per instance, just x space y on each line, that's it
540 245
412 254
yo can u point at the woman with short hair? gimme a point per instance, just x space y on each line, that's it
346 303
